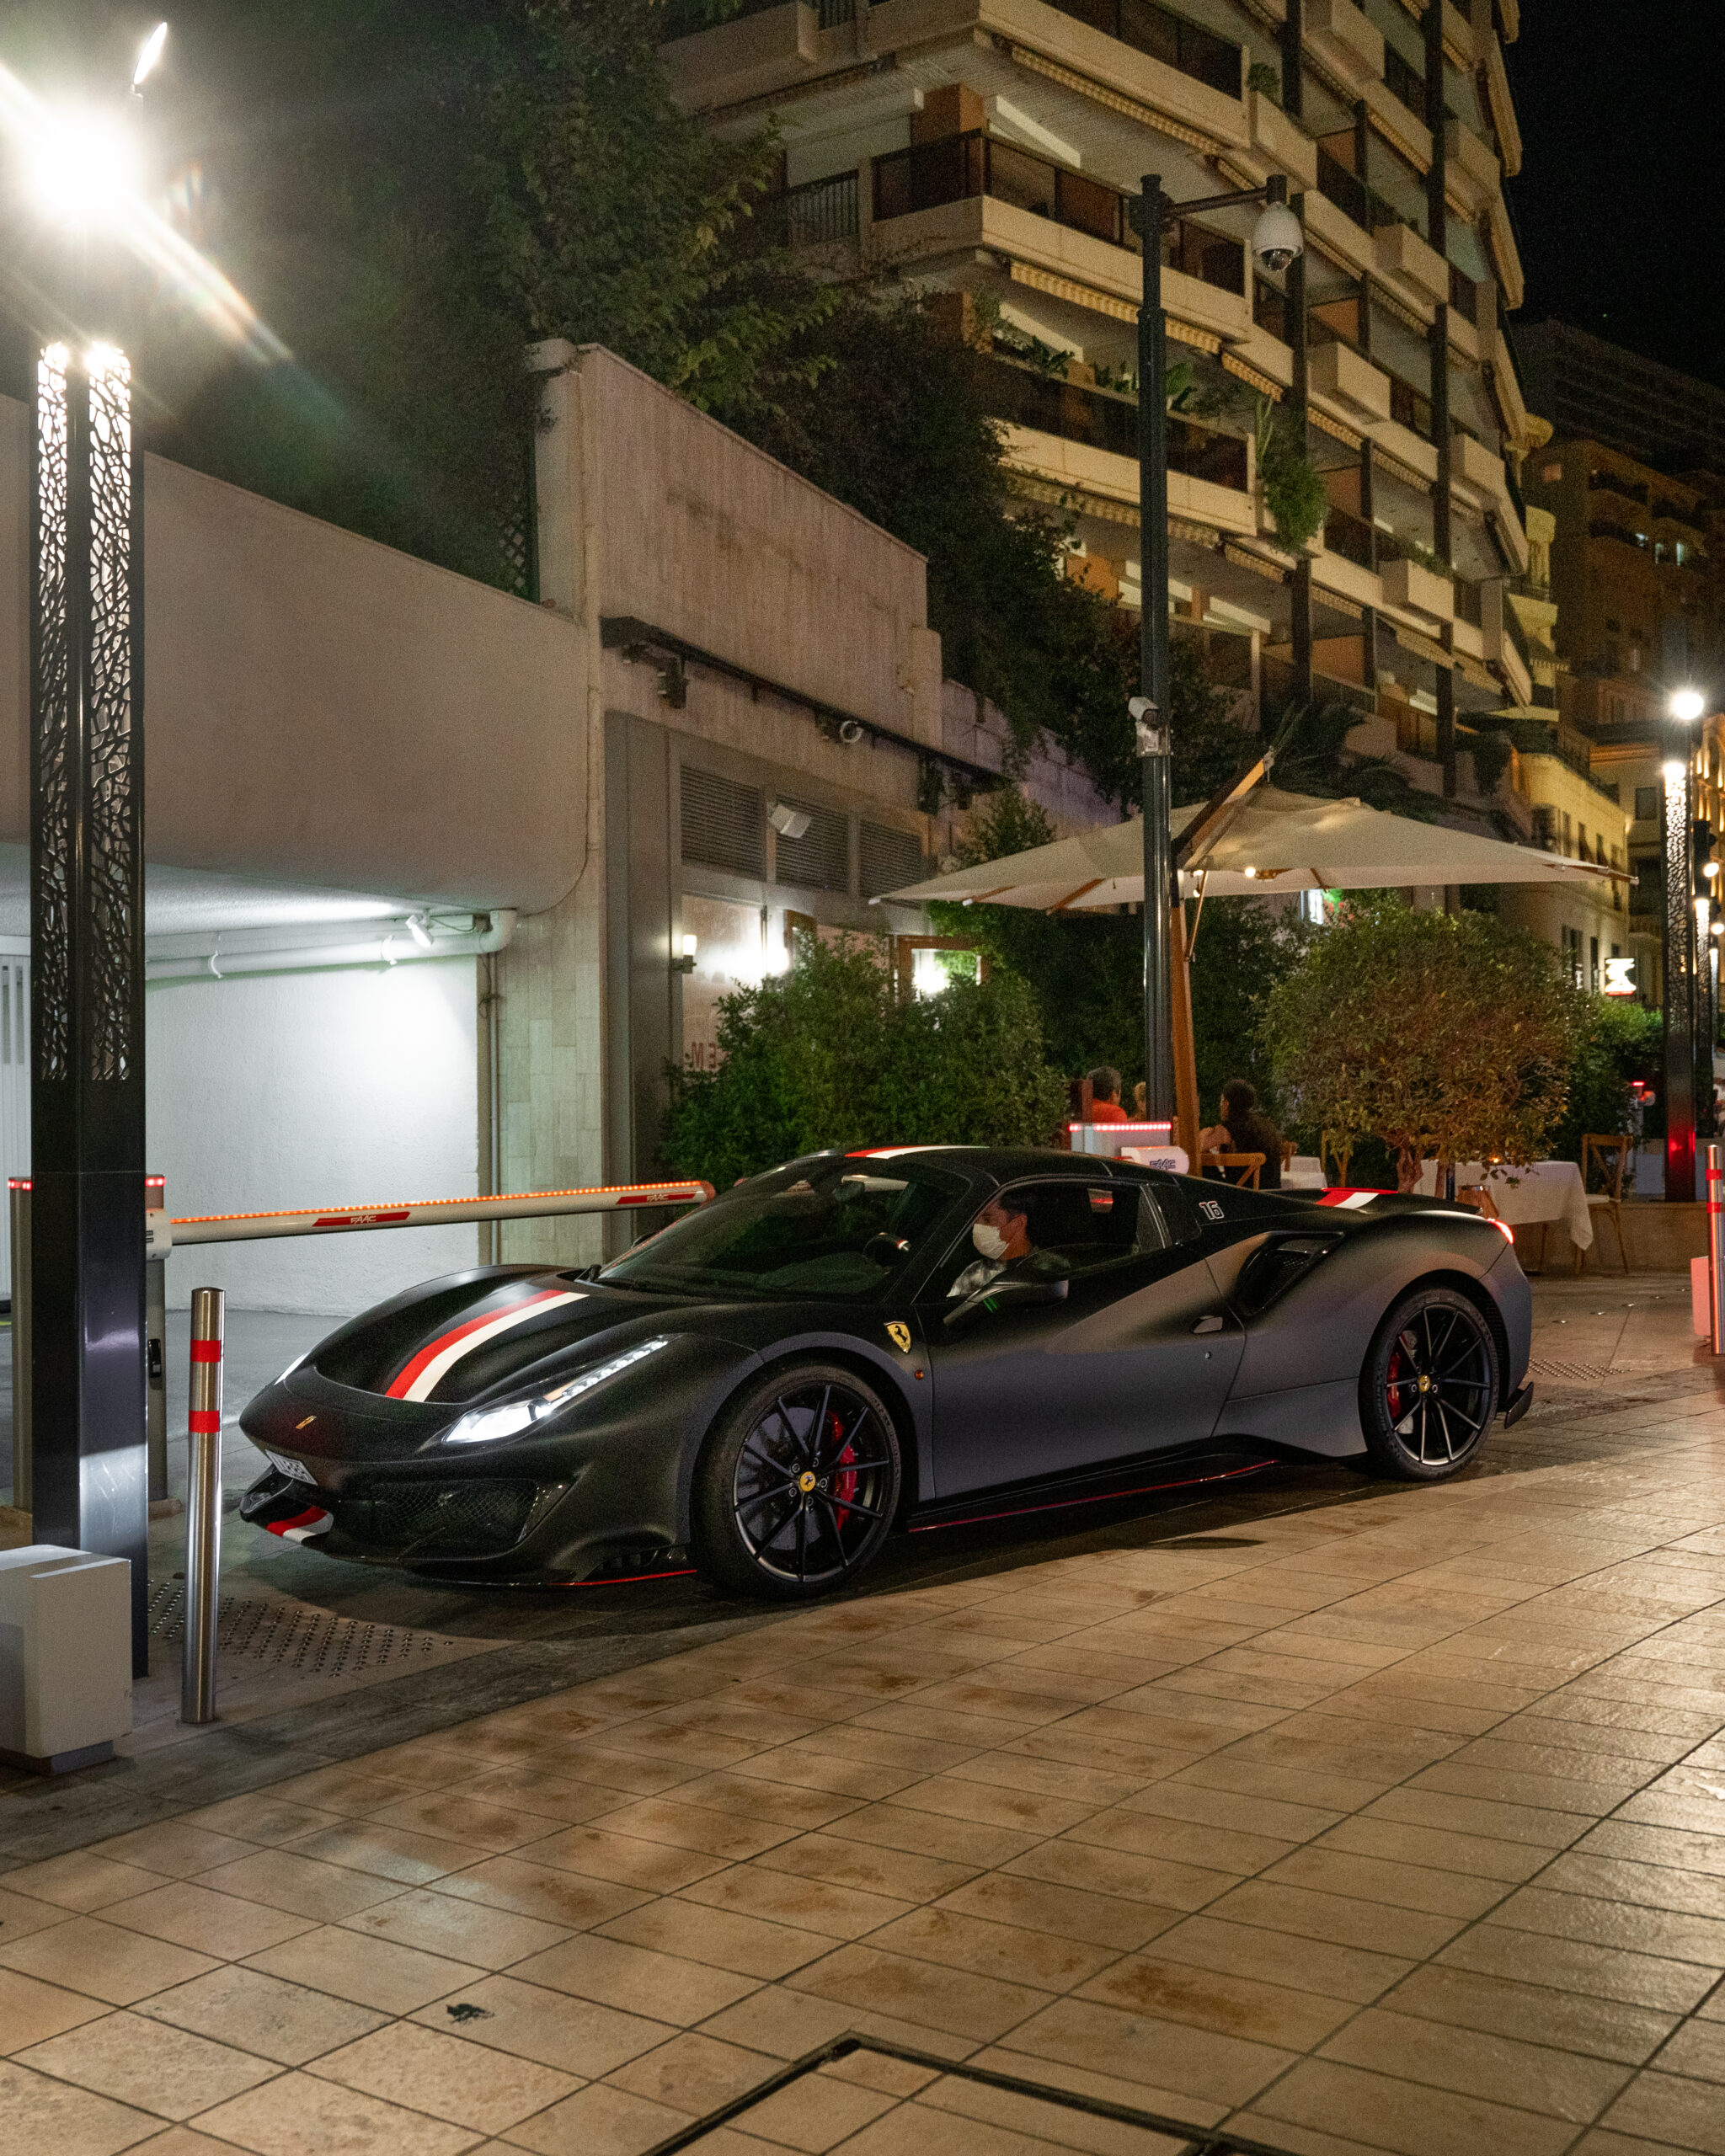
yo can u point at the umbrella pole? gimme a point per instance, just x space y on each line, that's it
1186 1120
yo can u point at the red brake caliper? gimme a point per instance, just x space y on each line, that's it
1393 1390
844 1483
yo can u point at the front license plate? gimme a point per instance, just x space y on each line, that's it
295 1471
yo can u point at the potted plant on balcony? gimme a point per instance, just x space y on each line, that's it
1289 484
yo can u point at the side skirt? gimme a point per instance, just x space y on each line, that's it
1123 1479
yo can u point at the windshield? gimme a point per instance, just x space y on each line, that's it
838 1229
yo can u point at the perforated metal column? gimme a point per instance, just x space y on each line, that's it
87 1091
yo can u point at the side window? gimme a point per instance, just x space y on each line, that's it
1075 1228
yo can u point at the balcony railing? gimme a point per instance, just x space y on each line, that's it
1608 483
1409 408
1404 82
1350 536
1353 197
958 167
1601 527
816 214
1102 418
1165 36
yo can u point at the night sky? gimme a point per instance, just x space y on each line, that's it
1620 208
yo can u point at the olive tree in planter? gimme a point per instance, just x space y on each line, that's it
1447 1036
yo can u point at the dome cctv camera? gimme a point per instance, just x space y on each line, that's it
1276 238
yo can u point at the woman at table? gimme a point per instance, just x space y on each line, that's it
1245 1128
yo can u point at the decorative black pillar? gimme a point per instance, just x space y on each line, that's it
1152 724
86 976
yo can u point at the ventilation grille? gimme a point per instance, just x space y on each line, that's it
723 823
820 860
453 1519
890 859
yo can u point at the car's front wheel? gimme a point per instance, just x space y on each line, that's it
796 1484
1429 1389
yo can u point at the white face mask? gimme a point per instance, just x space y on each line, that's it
989 1240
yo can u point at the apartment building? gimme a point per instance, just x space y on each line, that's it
990 151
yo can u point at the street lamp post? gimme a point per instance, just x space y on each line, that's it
1277 240
1679 955
90 1486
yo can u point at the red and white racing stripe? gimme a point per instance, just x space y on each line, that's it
419 1376
1351 1200
303 1527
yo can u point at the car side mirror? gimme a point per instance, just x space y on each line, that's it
1006 1295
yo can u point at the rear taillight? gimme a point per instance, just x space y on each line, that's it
1504 1229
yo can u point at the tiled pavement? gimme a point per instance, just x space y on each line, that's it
1392 1820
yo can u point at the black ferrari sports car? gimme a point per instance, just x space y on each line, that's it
916 1335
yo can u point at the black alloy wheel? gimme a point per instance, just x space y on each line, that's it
1429 1390
796 1486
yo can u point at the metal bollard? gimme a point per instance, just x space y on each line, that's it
21 1495
203 1510
1715 1244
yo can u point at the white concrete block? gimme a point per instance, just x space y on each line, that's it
64 1656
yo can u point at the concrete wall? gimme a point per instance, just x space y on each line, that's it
286 1090
323 709
649 508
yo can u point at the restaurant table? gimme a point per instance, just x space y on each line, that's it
1536 1195
1305 1172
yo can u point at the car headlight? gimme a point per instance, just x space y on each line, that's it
486 1425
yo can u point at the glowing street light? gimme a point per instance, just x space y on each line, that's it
149 53
82 168
1686 706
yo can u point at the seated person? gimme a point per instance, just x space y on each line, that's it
1244 1128
1105 1096
1001 1233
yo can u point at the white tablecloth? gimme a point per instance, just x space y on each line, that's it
1547 1190
1305 1172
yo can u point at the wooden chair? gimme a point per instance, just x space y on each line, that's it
1249 1164
1607 1154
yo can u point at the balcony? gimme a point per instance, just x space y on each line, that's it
961 167
1608 483
819 213
1103 419
1163 36
1601 527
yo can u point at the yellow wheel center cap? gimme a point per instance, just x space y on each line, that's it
805 1481
1425 1384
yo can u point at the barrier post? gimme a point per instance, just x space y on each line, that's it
1715 1245
203 1510
22 1495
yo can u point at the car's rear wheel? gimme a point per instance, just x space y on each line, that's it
796 1484
1429 1389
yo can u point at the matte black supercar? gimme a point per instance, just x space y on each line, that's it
764 1387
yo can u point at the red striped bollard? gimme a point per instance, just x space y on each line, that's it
203 1510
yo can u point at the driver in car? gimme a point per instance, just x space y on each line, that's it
1001 1233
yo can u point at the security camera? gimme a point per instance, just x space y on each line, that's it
1276 239
789 823
851 732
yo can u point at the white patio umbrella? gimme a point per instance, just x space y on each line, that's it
1274 841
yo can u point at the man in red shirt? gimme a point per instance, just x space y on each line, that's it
1105 1096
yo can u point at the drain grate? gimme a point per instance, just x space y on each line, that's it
1540 1368
289 1636
1181 2137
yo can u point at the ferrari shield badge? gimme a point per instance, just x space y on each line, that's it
900 1335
